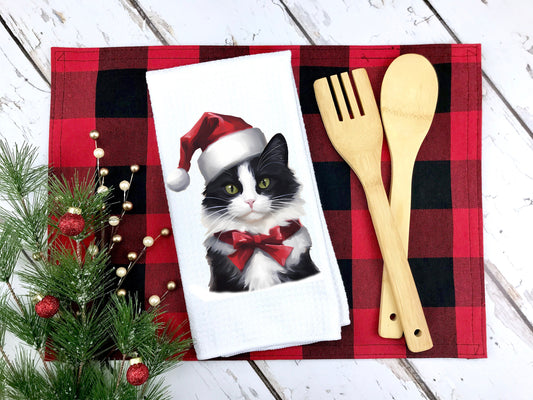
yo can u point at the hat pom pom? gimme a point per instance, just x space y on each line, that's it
178 180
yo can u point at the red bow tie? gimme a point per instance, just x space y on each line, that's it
245 243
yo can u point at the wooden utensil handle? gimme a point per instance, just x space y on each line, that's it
403 286
390 325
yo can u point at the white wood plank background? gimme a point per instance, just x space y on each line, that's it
505 29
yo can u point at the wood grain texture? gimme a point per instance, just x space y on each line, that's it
507 166
40 25
24 99
505 28
343 379
408 97
224 22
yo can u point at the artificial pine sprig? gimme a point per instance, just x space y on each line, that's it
23 322
78 319
79 336
73 282
9 251
19 176
80 193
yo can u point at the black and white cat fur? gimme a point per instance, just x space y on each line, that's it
256 211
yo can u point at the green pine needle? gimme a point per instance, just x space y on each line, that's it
18 174
166 349
131 327
25 381
64 277
79 336
80 193
9 251
25 324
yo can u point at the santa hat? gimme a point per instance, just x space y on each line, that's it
225 141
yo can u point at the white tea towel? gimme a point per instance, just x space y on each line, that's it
260 91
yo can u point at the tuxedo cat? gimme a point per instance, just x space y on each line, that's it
251 210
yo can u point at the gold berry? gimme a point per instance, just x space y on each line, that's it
135 168
92 249
124 185
102 189
104 171
121 272
148 241
127 206
94 134
117 238
114 220
121 292
98 152
154 300
132 256
136 360
74 210
171 285
165 232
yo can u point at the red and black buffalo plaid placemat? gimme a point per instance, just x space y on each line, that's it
105 89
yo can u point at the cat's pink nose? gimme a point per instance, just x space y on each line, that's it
250 203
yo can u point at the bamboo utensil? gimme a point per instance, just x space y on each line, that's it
408 98
358 139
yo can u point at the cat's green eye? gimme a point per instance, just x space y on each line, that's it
264 183
231 189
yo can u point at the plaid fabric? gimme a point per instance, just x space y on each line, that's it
105 89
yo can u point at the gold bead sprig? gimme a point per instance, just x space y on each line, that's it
133 257
124 185
154 300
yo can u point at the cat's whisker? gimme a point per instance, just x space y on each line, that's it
215 198
212 208
282 196
215 225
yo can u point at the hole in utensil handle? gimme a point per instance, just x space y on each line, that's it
393 317
417 332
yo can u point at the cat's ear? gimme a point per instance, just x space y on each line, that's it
275 152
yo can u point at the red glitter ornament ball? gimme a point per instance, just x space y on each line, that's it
47 307
71 223
137 374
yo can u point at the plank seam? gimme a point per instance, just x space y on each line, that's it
297 23
508 297
148 21
265 380
417 379
21 47
489 81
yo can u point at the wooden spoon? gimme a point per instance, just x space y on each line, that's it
408 99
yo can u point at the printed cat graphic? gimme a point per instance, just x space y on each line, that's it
252 211
251 205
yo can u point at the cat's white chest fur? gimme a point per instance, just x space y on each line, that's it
261 272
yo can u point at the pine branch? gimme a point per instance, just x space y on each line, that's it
80 193
166 348
90 322
25 323
9 252
131 327
24 381
76 340
18 174
30 222
62 275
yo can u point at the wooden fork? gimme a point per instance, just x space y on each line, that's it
358 139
